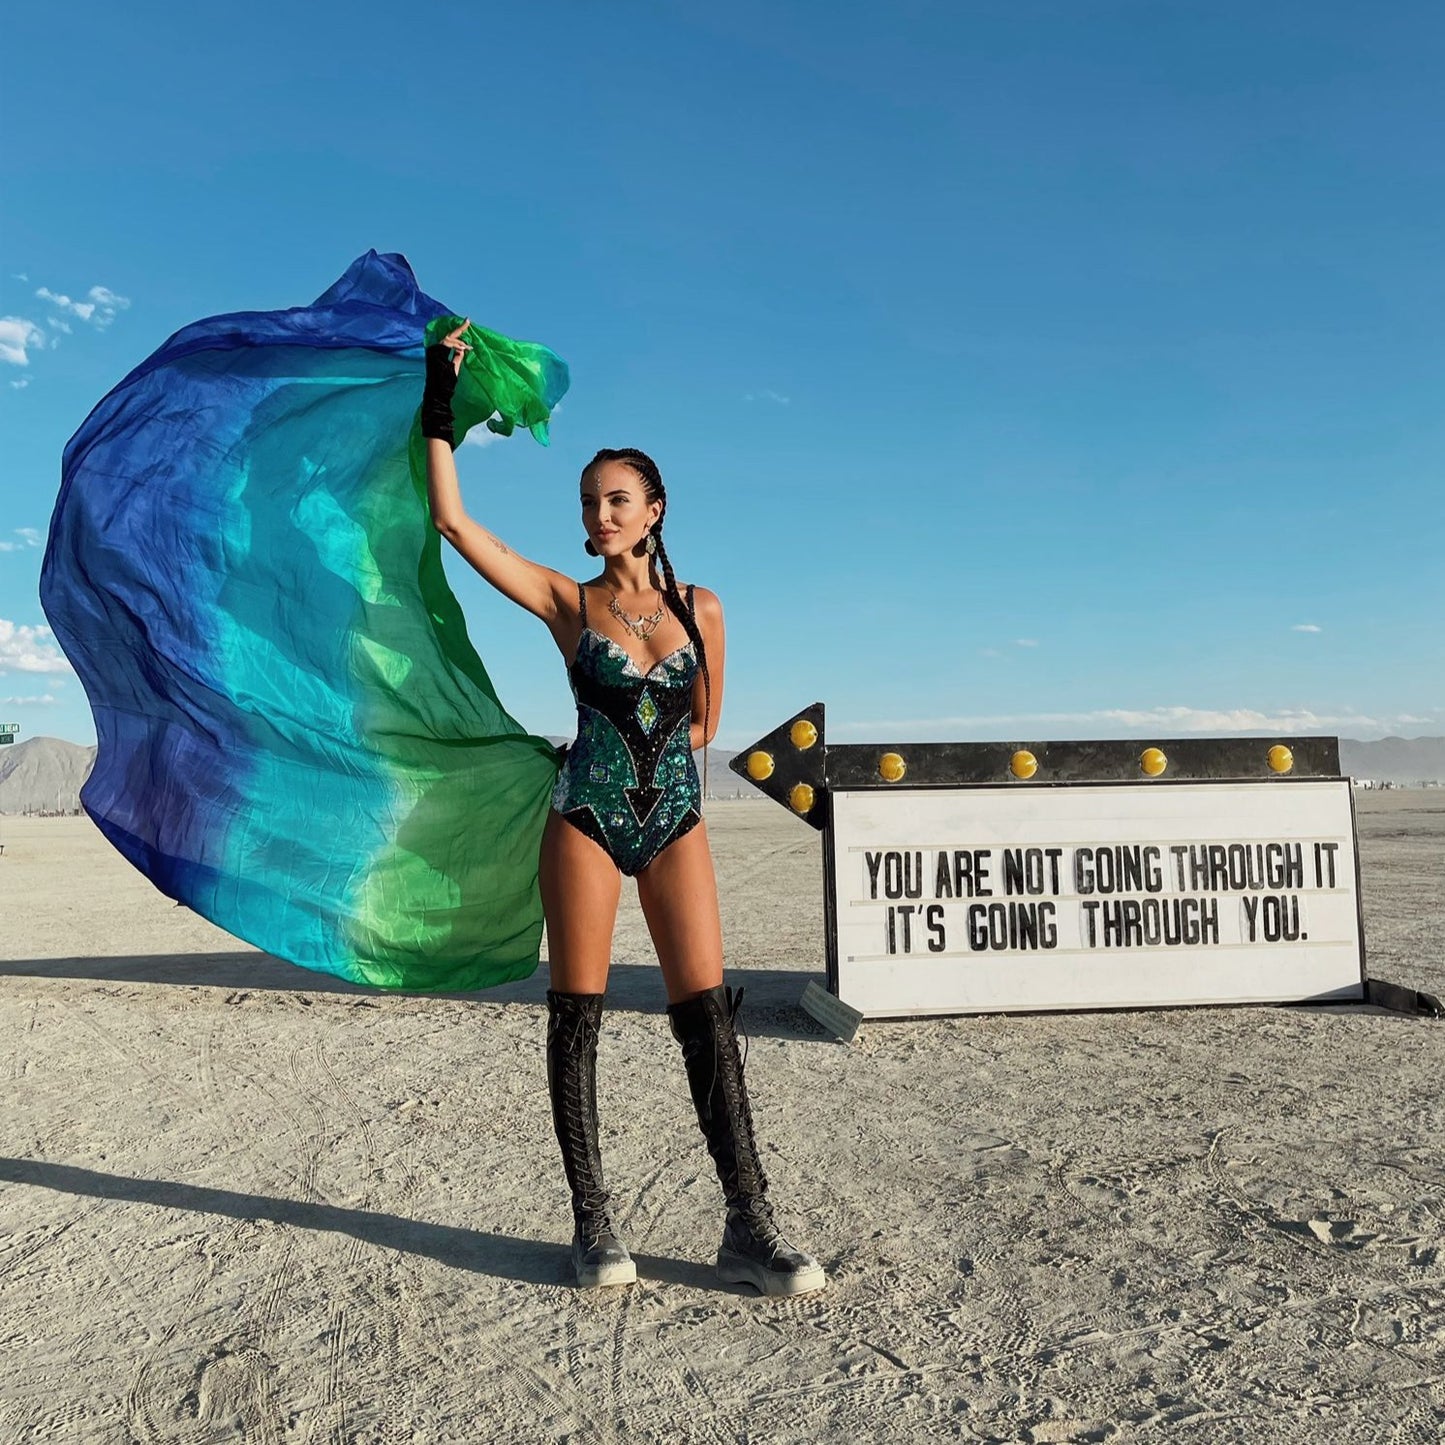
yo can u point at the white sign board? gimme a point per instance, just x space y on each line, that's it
975 900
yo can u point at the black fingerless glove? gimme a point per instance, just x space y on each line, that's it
436 400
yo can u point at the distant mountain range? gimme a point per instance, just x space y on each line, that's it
46 774
1410 761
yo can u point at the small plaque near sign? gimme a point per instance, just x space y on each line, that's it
830 1011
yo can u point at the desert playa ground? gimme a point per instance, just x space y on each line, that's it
241 1202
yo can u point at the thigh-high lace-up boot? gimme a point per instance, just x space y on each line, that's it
753 1249
598 1256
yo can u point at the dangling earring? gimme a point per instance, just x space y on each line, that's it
651 545
588 548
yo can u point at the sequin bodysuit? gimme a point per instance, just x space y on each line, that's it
629 782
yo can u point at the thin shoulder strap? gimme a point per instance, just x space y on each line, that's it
582 603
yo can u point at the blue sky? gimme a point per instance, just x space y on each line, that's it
1016 369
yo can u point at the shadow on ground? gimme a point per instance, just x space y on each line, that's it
771 1008
531 1261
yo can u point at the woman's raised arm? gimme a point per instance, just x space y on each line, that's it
539 589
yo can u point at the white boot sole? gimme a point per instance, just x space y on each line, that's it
734 1269
607 1274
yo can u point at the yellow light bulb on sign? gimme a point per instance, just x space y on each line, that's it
891 767
1023 764
1153 762
760 766
800 799
1281 760
803 734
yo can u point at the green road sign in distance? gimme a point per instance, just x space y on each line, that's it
6 738
9 727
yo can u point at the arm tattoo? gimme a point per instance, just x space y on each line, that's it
500 545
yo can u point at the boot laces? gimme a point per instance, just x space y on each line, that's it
593 1222
693 1048
735 1002
583 1031
757 1218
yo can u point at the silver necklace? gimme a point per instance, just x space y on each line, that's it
644 624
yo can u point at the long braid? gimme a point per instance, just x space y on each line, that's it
653 489
689 622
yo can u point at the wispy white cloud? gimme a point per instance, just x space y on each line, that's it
17 337
107 304
1306 627
28 536
21 384
83 309
766 394
1150 720
99 308
29 649
1026 642
20 276
44 700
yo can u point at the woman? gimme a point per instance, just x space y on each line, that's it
646 668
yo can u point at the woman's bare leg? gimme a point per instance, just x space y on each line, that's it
580 888
678 893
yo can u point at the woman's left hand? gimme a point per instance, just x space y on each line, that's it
456 346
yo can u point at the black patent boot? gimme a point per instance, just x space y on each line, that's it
753 1249
598 1255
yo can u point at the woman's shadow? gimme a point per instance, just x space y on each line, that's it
772 1009
532 1261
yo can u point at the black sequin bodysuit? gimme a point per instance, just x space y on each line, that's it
629 782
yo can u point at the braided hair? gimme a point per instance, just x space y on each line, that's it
654 491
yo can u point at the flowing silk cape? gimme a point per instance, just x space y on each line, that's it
296 737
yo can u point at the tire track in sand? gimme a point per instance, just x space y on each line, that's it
371 1284
233 1377
144 1398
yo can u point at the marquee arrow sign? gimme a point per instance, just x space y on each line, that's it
1002 876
